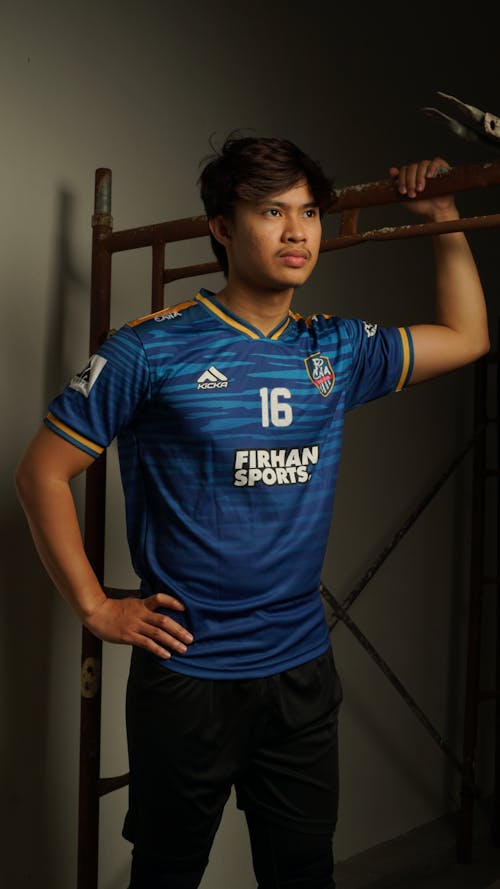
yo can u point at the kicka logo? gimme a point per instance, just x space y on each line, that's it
320 372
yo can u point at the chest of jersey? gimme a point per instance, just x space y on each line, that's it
255 413
260 391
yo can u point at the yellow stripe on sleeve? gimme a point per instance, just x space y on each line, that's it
406 358
67 430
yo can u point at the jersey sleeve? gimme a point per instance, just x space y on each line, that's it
381 361
101 400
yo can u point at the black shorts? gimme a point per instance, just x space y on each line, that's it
191 740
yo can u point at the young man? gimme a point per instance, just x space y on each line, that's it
229 411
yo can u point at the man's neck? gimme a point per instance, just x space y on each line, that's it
262 310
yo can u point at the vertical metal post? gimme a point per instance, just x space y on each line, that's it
158 277
495 832
465 831
95 494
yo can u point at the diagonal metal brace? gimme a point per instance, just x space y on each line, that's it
408 523
342 615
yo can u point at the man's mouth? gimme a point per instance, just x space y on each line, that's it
294 259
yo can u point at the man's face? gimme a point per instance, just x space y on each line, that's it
273 244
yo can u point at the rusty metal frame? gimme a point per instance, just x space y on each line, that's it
105 242
471 793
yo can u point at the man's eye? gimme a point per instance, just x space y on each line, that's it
273 211
311 213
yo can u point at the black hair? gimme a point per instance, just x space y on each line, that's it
252 168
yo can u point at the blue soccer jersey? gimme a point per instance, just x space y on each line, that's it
229 444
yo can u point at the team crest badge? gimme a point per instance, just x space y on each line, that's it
320 372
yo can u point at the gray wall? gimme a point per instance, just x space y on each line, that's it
140 88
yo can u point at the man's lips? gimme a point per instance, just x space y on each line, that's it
295 259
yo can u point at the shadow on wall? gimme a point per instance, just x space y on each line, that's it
32 786
26 668
69 306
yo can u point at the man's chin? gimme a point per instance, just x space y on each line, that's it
295 277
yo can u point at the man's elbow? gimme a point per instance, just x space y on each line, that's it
29 479
23 482
481 346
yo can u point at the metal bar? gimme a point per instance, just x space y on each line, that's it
495 829
341 614
102 198
157 276
465 177
349 222
174 230
191 271
339 242
466 818
419 230
108 785
404 528
95 492
354 197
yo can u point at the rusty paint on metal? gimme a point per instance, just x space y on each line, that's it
90 677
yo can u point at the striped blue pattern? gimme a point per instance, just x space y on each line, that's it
229 477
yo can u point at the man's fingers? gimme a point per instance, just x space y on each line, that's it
164 623
170 636
437 165
163 600
167 626
411 178
148 644
160 635
134 621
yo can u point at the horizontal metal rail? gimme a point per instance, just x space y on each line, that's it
351 198
348 203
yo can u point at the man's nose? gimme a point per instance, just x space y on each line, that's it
294 231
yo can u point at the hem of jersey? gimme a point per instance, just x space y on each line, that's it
175 664
79 441
408 358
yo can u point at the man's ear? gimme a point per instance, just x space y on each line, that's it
220 229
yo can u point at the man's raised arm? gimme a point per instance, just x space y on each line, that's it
459 334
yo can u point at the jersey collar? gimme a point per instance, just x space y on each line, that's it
207 298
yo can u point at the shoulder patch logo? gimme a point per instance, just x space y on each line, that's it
370 329
212 379
167 316
84 380
320 372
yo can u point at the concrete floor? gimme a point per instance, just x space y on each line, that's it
425 859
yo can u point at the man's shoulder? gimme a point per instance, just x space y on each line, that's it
170 316
319 323
344 327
